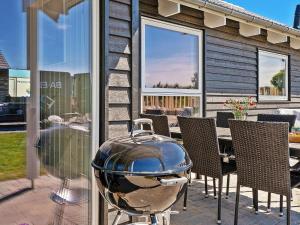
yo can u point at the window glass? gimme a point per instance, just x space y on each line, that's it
273 76
171 70
172 106
171 58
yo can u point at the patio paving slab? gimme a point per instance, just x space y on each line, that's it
35 208
203 211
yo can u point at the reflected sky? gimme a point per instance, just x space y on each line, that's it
63 44
268 67
170 57
13 33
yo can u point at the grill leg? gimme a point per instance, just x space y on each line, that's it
206 191
190 178
220 199
227 187
185 198
59 198
153 219
269 202
58 215
288 210
215 189
281 206
117 218
237 200
255 200
130 219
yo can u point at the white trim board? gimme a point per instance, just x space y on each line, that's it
173 27
279 56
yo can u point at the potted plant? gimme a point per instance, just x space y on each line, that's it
240 107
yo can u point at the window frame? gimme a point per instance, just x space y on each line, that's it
287 91
173 27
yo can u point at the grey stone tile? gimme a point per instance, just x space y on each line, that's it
35 207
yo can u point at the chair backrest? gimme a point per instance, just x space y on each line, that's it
262 155
155 111
222 119
200 139
278 118
160 124
294 111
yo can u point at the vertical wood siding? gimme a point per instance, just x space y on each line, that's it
231 61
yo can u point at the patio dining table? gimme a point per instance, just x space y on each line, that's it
224 137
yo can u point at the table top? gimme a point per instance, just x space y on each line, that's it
224 134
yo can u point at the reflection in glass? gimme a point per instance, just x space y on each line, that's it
272 75
57 83
19 83
14 92
172 106
13 37
65 140
171 59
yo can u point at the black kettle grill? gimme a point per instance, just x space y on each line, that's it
143 173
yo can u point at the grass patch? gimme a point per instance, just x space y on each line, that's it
12 155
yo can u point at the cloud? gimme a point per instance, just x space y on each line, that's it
62 26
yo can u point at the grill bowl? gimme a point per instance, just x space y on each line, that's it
142 174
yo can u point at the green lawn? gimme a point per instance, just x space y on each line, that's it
12 155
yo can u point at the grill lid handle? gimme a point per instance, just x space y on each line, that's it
142 121
173 181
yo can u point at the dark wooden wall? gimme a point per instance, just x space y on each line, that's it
121 81
230 62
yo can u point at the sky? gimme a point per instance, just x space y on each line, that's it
280 10
170 62
13 33
269 66
179 56
64 45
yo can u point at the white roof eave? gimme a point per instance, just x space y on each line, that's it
241 15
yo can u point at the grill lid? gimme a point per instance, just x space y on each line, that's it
142 154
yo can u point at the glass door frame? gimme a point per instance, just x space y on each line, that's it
95 50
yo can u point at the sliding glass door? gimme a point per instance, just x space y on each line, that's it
64 67
51 75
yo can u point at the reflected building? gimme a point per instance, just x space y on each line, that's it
19 83
4 73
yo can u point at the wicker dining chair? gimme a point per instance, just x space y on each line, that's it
262 158
160 124
278 118
200 139
222 119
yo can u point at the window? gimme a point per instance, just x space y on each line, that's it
171 68
273 76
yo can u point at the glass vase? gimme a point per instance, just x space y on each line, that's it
240 116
